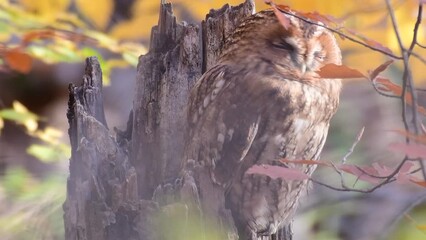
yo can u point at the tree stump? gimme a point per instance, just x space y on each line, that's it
113 179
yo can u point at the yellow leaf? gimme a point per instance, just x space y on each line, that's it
421 227
97 11
1 124
47 9
49 135
19 107
30 123
126 29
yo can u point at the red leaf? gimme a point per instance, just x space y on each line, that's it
370 42
18 60
373 74
403 175
339 71
380 170
390 87
377 45
278 172
417 138
282 17
354 170
316 16
406 167
411 150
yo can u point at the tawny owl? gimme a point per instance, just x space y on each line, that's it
260 103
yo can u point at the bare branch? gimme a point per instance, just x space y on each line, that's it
416 55
351 150
421 45
408 82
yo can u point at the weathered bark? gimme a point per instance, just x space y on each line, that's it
102 199
112 180
164 78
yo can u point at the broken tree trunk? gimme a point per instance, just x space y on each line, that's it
112 179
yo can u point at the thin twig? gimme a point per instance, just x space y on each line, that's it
351 150
416 55
342 179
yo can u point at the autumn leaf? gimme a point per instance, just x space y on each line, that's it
1 123
417 138
370 42
339 71
411 150
47 9
326 19
421 227
404 174
97 11
374 73
278 172
18 60
359 172
386 85
420 183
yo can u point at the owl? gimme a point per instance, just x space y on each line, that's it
262 102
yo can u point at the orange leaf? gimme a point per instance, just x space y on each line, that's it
278 172
390 87
411 150
420 183
370 42
316 16
373 74
18 60
417 138
377 45
339 71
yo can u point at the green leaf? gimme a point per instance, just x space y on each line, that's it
131 58
19 117
47 154
15 181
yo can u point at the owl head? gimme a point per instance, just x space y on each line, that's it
301 48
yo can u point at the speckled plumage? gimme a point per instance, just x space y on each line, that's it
262 102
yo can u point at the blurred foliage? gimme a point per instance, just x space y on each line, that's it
371 19
175 222
48 31
53 149
31 208
411 226
70 36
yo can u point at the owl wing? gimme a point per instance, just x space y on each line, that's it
223 124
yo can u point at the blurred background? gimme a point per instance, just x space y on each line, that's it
43 45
